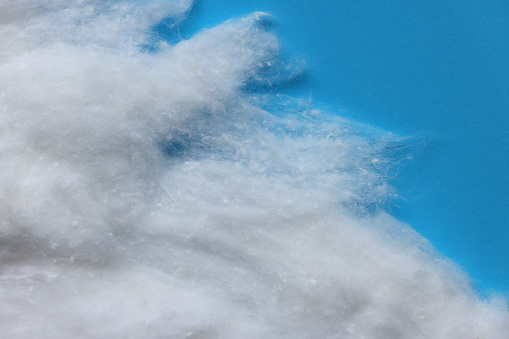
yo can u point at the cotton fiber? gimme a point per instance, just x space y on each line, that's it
152 190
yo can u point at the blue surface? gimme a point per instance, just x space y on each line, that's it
434 68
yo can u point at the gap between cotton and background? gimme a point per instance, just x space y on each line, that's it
163 188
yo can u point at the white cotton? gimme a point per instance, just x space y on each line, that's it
150 193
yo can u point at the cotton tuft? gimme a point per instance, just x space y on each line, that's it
152 190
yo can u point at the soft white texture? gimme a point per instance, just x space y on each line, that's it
148 195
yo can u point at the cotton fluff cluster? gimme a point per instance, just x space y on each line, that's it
148 194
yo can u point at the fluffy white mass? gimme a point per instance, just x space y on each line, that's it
152 194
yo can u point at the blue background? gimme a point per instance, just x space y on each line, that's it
437 69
